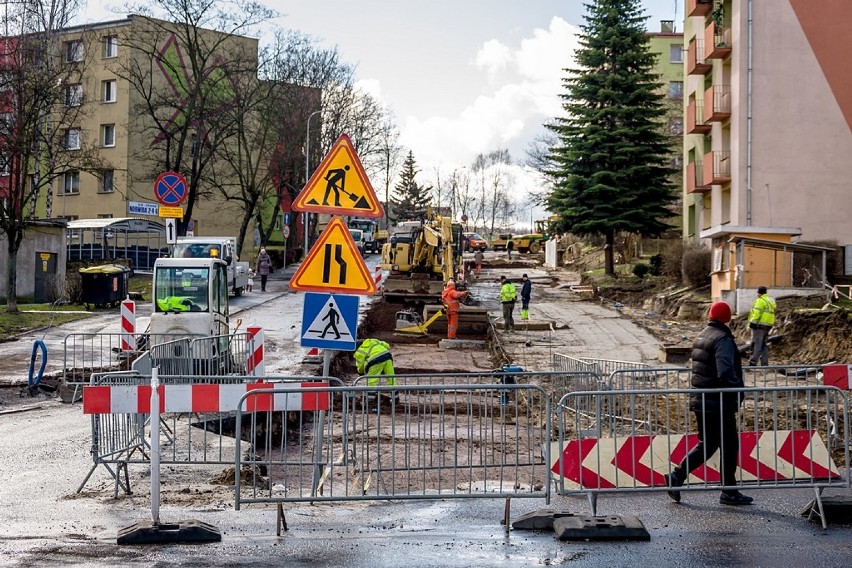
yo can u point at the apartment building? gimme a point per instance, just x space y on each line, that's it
110 125
768 137
667 45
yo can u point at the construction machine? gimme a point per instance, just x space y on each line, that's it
420 258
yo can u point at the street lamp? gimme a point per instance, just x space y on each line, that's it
307 176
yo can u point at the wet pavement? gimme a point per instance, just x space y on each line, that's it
45 455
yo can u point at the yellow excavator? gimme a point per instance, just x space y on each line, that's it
420 258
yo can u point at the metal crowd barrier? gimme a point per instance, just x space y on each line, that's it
87 353
434 441
188 439
790 436
208 356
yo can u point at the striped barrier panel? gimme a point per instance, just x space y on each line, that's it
128 325
136 399
255 366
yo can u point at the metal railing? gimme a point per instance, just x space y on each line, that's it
403 442
189 439
789 436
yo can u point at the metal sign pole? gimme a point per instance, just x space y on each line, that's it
155 445
319 428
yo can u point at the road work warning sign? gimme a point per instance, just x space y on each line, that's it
340 186
334 265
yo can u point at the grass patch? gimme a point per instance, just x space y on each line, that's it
12 325
142 284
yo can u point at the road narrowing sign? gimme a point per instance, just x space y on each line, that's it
334 265
340 186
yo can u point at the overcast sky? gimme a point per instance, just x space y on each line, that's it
463 77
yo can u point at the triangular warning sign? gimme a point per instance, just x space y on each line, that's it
330 324
334 265
340 185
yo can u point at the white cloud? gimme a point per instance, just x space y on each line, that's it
525 83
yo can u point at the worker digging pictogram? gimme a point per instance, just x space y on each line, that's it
340 185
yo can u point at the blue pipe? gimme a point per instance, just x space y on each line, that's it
38 343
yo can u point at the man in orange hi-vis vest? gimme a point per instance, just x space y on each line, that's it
451 298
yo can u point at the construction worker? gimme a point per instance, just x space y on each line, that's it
526 294
508 297
373 358
452 303
760 321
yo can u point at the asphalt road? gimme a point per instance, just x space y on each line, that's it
44 448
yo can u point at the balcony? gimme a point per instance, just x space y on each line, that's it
695 178
718 170
695 63
698 7
717 103
717 42
695 123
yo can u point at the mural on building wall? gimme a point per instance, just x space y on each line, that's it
215 80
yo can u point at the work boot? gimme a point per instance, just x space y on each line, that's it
673 481
734 498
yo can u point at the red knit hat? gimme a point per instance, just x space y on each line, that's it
721 312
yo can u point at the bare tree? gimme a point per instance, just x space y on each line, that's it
183 79
540 158
389 155
41 109
463 196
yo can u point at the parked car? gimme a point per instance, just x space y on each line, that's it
500 240
474 241
358 237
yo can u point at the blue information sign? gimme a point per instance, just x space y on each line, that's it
330 321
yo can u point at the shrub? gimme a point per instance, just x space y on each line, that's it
695 265
640 270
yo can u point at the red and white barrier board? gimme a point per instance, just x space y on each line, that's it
126 399
377 278
255 366
128 325
836 376
644 461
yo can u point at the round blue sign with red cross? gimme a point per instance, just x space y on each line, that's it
171 188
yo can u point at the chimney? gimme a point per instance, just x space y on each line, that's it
667 26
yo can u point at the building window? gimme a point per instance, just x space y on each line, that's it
72 139
107 181
110 47
109 94
105 216
73 95
676 90
73 51
71 183
5 166
107 135
676 53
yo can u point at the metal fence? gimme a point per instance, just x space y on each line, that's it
87 353
602 367
790 436
118 440
403 442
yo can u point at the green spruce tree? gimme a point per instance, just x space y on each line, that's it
610 164
410 200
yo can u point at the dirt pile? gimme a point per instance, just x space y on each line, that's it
813 337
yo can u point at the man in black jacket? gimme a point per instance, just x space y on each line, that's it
715 365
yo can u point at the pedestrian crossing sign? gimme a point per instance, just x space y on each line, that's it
330 321
334 264
340 186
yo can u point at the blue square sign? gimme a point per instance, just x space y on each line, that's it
330 321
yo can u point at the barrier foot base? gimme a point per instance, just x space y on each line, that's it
149 532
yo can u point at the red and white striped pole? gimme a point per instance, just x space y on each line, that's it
255 365
377 278
128 325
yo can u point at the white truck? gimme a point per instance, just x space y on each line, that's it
224 248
